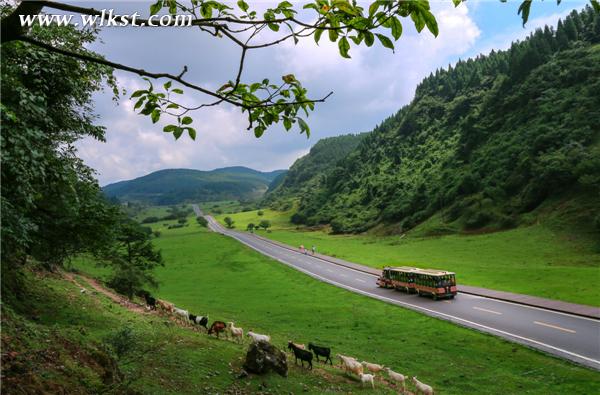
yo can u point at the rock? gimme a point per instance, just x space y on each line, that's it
263 357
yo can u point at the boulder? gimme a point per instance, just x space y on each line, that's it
263 357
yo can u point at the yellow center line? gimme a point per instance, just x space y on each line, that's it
487 311
554 327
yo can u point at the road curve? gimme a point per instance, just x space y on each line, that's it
568 336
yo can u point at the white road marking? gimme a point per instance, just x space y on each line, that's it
487 311
330 271
554 327
358 279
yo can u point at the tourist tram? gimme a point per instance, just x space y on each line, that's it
436 283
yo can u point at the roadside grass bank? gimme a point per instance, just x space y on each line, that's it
534 260
211 274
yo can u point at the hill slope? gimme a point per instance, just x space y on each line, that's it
180 185
483 143
308 172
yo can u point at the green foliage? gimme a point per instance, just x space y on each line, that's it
132 259
202 221
250 227
52 207
174 186
265 224
228 222
483 142
150 220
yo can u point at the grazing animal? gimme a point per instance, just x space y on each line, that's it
400 378
300 346
367 378
301 354
321 351
422 387
202 321
217 327
236 332
372 367
257 337
165 306
181 315
150 301
351 365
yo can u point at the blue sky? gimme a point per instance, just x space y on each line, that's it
372 85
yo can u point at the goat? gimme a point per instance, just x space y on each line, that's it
165 306
322 351
400 378
351 365
181 315
422 387
256 337
301 354
367 378
300 346
372 367
218 327
202 321
236 332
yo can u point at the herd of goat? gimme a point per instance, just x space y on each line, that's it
349 364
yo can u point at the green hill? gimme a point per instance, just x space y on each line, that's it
483 144
308 172
174 186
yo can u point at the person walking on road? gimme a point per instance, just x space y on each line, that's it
314 249
302 249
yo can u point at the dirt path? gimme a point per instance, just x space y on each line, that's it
106 292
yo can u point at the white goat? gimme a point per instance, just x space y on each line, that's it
422 387
372 367
256 337
351 365
400 378
182 315
367 378
236 332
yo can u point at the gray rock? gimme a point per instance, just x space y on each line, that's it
263 357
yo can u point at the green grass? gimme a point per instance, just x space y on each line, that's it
211 274
534 260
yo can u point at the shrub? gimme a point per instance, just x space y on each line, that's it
182 220
202 221
149 220
260 213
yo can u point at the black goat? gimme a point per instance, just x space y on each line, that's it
301 354
150 301
322 351
192 318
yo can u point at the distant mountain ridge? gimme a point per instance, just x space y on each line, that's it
172 186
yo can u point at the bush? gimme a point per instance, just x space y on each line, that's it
298 218
175 226
150 220
260 213
202 221
122 341
156 233
182 220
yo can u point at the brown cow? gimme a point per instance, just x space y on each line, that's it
218 327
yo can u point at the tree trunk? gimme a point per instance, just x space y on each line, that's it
11 25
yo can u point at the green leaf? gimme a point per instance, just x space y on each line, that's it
369 38
155 8
304 128
274 27
170 128
418 20
177 133
386 42
333 35
138 93
187 120
167 85
318 33
173 105
344 47
243 5
155 115
373 8
287 123
524 9
457 2
191 132
431 23
139 103
285 4
177 90
396 27
258 131
595 5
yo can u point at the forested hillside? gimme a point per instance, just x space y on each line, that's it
482 143
308 172
174 186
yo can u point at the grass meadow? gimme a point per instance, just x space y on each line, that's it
211 274
534 260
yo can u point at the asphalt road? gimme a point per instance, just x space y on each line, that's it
564 335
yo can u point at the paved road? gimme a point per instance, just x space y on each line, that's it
568 336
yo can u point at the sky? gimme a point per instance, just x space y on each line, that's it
372 85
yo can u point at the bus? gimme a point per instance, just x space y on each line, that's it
437 283
400 278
